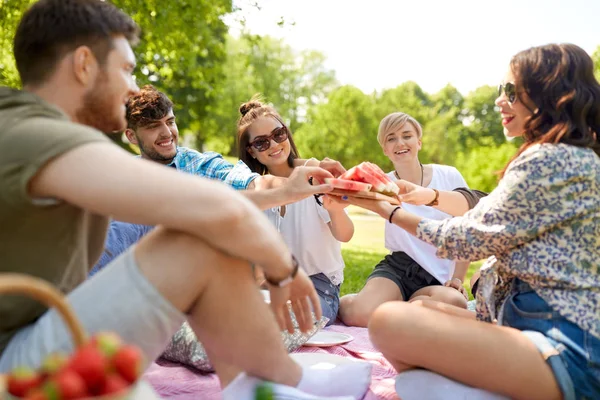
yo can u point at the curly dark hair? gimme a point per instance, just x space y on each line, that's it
250 112
559 80
52 28
147 106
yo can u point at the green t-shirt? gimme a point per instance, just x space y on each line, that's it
46 238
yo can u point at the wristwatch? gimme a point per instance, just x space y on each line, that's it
285 281
435 200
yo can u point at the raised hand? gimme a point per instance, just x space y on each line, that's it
334 167
298 184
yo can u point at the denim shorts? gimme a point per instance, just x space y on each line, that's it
329 296
405 272
572 353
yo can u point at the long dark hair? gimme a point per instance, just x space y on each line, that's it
250 112
559 80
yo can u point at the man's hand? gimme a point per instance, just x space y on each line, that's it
298 186
334 167
302 294
414 194
456 283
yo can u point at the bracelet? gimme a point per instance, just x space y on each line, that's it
285 281
435 200
392 213
310 159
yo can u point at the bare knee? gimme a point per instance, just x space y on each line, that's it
388 323
440 294
353 312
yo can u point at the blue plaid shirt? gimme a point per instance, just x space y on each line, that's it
122 235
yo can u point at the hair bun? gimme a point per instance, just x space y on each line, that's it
249 105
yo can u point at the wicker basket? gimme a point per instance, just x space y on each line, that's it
12 283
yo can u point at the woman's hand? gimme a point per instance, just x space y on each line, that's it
302 295
414 194
381 207
334 203
456 283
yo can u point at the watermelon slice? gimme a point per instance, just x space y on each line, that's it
371 174
347 184
390 186
351 175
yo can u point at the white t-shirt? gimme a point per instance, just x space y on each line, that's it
444 177
305 230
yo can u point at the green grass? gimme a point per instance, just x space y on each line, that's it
366 249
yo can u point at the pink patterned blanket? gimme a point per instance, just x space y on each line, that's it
173 381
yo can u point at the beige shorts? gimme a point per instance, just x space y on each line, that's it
119 298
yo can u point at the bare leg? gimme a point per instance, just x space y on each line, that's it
487 356
442 294
231 319
226 311
356 309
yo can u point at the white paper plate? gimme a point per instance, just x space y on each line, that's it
328 338
321 360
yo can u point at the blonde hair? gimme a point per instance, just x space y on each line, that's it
393 122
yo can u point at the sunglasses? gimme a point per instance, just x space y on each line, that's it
262 143
509 90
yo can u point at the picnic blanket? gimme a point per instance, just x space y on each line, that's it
174 381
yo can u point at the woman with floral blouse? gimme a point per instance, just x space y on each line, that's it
540 228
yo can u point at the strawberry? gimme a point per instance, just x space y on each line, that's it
107 342
67 385
128 362
21 380
91 364
114 383
36 394
53 363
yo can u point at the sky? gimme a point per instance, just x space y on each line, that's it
379 44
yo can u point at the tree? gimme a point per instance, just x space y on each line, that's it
443 127
343 128
596 58
292 81
10 15
482 119
181 51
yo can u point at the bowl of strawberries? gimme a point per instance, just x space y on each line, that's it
102 367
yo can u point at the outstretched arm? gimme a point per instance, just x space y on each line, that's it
455 202
106 180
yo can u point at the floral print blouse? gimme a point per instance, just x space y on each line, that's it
541 225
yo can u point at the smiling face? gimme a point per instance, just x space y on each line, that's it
402 144
277 154
514 114
157 139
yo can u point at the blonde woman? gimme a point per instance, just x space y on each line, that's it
411 271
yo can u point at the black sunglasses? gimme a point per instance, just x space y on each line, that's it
510 90
262 143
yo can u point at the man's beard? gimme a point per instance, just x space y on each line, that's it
152 154
97 108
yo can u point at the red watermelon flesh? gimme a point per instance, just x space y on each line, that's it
347 184
391 187
351 175
368 176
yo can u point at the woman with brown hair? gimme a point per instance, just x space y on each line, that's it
540 228
312 229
